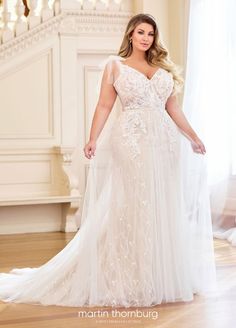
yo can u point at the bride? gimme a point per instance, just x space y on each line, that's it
145 235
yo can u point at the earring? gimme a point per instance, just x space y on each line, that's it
130 40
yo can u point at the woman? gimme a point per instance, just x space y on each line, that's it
141 241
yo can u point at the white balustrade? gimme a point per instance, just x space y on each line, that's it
33 18
88 5
14 23
46 11
114 5
100 5
57 7
6 32
21 25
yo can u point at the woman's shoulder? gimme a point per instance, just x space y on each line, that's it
115 58
110 67
111 60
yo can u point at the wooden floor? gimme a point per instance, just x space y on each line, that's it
217 311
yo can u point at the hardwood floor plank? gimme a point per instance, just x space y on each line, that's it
215 311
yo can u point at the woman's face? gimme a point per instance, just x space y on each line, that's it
143 36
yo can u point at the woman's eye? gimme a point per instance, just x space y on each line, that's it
140 32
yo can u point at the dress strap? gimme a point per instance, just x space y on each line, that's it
112 66
109 59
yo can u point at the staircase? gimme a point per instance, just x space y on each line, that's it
49 56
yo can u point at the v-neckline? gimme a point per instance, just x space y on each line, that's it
145 76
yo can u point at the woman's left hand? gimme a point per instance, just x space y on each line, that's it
198 146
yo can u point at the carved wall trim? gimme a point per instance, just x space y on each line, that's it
79 22
31 37
86 22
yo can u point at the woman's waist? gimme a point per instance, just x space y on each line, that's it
142 108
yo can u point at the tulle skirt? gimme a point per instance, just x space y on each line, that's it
145 235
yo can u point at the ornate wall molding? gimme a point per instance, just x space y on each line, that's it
85 22
29 38
78 22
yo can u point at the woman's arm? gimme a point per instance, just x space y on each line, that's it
180 120
103 108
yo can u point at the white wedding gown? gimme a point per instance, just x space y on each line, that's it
144 238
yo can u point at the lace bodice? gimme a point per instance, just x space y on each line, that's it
135 90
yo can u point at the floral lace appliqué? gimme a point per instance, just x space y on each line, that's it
133 128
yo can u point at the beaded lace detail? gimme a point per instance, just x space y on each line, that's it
136 91
142 98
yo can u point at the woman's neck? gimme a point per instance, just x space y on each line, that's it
138 56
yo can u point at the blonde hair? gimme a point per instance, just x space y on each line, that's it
157 54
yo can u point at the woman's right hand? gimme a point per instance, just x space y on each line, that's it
198 146
89 149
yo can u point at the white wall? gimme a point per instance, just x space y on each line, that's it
159 9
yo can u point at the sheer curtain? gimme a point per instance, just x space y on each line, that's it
210 105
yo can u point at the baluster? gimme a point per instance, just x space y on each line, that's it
114 6
88 5
57 7
126 6
33 18
21 24
46 11
71 4
71 188
6 33
100 5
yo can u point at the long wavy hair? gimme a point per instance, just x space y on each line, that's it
157 54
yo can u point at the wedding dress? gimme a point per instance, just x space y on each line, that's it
145 235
